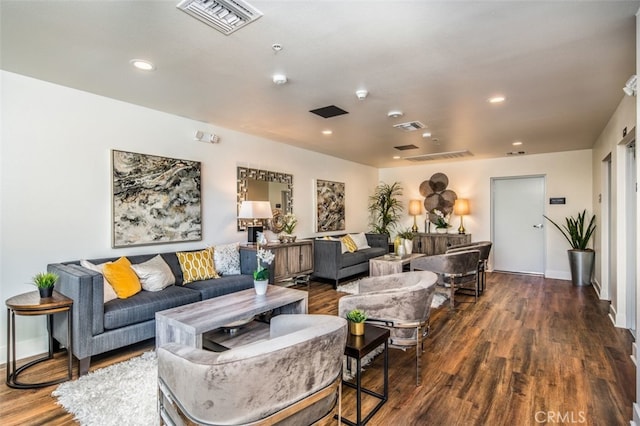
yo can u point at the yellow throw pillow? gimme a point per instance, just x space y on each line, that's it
197 265
122 278
349 243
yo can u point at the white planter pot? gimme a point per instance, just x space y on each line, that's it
260 286
442 230
408 246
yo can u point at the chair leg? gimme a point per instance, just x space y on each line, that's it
419 349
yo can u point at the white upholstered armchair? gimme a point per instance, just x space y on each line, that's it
292 378
399 302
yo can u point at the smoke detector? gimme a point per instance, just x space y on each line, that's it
361 94
395 113
279 79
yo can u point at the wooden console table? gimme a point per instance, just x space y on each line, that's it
292 260
431 244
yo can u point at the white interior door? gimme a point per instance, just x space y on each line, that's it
517 210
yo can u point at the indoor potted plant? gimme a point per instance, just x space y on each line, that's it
385 208
440 221
356 319
406 238
581 258
289 225
261 274
45 282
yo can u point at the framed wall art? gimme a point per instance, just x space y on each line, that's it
155 199
330 206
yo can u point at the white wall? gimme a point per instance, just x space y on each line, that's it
55 181
568 174
611 143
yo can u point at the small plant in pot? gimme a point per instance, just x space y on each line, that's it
406 239
356 319
45 282
581 257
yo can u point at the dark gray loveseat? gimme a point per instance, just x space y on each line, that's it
100 327
329 262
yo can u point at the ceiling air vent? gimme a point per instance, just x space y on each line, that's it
225 16
440 156
405 147
515 153
409 126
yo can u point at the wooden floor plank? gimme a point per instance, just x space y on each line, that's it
530 348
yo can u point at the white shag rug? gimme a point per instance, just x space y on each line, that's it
352 288
121 394
126 393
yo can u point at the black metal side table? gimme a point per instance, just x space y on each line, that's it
358 347
30 304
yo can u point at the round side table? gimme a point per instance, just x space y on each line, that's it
30 304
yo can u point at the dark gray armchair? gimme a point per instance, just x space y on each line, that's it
399 302
484 247
455 270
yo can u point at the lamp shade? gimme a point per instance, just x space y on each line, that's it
415 207
255 210
461 207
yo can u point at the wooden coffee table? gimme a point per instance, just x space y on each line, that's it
186 324
390 264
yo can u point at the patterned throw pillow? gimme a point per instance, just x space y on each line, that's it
122 278
349 243
226 259
197 265
154 274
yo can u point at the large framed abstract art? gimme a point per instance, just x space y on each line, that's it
330 200
155 199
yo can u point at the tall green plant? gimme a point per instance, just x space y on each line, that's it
575 232
385 208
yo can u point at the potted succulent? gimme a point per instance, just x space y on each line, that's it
581 258
356 319
45 282
385 208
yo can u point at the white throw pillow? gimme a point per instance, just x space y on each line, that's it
360 240
109 292
154 274
226 258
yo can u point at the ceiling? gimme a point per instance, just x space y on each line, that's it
561 66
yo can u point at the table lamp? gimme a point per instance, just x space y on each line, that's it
461 208
415 209
254 210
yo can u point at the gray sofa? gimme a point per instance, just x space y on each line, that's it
100 327
330 263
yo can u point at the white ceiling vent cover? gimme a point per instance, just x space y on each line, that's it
409 126
225 16
440 156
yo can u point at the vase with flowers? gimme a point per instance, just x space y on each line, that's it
290 222
441 223
261 274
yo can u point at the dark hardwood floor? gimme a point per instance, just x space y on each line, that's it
531 351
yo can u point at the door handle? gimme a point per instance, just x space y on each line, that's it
538 226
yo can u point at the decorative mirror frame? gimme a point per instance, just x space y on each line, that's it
244 174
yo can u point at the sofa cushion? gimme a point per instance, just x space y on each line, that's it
109 292
224 285
226 258
361 240
154 274
197 265
122 278
361 256
349 243
144 305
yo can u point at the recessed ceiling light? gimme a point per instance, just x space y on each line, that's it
496 99
516 143
426 135
327 132
396 157
395 114
279 79
142 64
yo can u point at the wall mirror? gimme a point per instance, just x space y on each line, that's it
264 185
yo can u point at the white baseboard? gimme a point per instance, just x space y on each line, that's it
636 415
597 287
634 353
612 314
26 348
557 275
